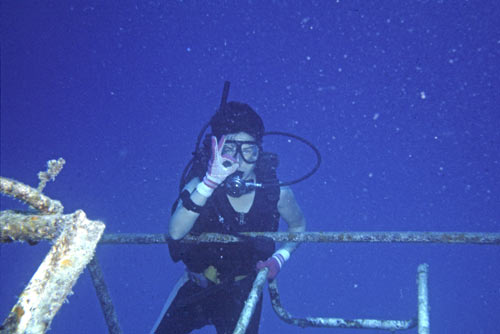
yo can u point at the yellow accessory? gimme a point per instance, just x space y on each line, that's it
211 274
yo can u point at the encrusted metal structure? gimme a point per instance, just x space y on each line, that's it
75 239
54 279
423 300
321 237
104 298
251 302
284 315
30 196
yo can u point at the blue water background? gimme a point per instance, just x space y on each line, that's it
401 98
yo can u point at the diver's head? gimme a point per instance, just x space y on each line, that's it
237 117
243 129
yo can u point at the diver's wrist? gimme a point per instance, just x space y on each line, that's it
281 256
206 187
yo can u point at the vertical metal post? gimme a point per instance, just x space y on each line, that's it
423 300
104 297
251 302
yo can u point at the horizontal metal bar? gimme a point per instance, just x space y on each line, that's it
324 237
18 226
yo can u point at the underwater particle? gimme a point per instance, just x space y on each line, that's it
376 116
123 153
422 95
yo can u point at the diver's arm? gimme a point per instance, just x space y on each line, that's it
292 215
182 221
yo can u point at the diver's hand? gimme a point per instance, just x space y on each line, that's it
274 263
219 168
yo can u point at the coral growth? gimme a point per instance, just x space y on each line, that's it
54 167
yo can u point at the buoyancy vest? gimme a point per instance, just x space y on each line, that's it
232 259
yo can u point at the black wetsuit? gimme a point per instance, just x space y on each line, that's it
220 304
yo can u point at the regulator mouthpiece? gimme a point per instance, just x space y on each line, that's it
236 187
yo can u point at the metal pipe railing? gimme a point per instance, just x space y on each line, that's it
251 302
30 196
326 237
104 297
22 226
423 300
334 322
69 255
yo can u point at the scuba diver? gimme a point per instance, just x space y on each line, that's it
214 198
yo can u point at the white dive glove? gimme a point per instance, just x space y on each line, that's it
217 172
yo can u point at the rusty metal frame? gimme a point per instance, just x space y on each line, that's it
422 318
368 237
76 239
390 325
